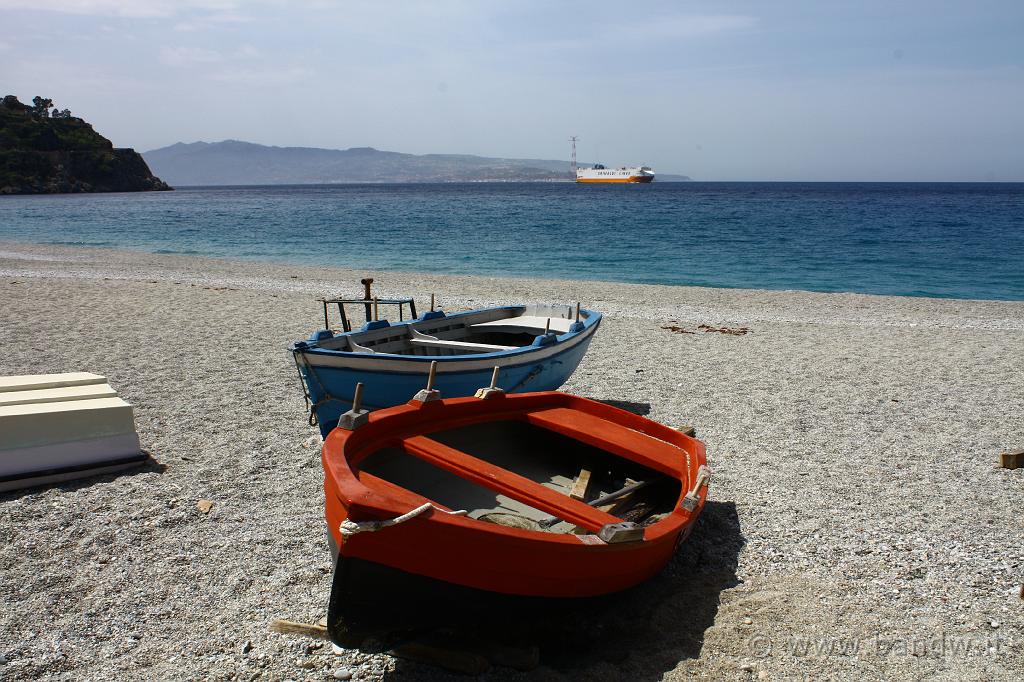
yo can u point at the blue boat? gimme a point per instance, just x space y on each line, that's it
535 347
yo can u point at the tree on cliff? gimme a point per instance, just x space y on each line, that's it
42 106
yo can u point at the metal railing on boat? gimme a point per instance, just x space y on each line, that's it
370 306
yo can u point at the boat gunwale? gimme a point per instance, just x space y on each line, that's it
590 324
519 358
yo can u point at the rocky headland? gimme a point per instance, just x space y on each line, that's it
44 152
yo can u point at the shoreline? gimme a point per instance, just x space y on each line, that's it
792 304
856 514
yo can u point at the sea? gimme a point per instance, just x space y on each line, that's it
946 240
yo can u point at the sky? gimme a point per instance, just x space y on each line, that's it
818 90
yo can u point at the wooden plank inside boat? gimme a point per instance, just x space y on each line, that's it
580 485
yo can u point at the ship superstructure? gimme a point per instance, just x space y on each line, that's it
599 173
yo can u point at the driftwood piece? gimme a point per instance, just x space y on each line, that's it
437 651
520 658
289 627
469 656
687 431
1012 460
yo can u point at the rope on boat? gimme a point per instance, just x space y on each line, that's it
528 378
348 528
310 405
302 384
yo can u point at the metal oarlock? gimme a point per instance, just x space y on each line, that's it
429 393
356 417
491 391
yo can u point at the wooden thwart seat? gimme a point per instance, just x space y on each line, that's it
615 438
460 345
507 483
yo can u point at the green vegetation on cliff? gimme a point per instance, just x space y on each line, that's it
50 152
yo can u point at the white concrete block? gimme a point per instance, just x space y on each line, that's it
53 395
28 382
37 424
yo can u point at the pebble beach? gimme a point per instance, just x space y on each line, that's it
859 526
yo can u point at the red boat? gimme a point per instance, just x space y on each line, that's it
536 494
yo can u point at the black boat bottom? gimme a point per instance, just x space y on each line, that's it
373 601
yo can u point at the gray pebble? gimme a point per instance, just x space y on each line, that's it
343 674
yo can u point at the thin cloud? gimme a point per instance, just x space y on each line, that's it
209 21
654 30
691 26
246 52
189 56
262 77
122 8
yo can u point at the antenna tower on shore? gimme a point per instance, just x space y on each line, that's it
573 140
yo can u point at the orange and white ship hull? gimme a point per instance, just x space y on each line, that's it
600 174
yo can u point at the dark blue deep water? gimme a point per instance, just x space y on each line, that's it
945 240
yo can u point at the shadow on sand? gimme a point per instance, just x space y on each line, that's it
642 632
75 479
642 409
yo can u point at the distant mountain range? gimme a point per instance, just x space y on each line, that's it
232 162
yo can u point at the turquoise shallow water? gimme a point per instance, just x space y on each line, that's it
945 240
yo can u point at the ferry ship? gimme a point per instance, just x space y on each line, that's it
599 173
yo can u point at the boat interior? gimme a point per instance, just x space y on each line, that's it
483 331
517 474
